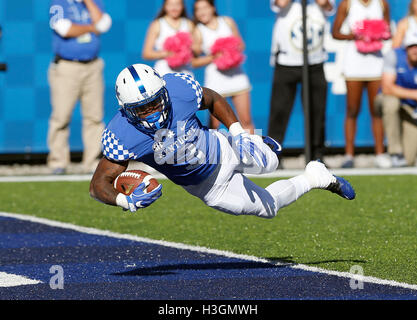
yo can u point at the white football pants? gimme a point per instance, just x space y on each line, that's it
228 190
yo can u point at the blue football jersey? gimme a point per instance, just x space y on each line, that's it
185 151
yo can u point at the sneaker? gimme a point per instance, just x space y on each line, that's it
343 188
58 171
273 144
383 161
398 161
321 178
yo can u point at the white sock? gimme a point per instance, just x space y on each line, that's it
288 191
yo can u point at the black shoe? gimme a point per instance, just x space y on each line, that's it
343 188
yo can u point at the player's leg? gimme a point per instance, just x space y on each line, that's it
230 191
238 195
92 114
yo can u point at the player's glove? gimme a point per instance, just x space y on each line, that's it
140 199
247 150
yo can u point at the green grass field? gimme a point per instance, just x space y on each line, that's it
377 230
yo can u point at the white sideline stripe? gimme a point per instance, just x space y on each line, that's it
276 174
46 178
205 250
344 172
13 280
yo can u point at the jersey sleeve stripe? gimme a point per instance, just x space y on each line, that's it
112 149
194 85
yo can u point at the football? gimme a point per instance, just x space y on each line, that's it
128 181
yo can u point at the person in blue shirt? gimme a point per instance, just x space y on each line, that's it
157 125
398 101
76 74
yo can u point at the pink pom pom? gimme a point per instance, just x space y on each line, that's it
368 46
230 54
370 34
180 45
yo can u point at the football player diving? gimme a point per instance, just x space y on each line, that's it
157 125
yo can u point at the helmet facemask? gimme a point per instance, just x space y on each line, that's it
151 114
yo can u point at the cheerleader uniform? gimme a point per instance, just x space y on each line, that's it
362 66
225 82
166 31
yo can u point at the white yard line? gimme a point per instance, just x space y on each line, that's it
13 280
205 250
276 174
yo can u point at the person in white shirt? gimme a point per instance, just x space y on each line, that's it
287 59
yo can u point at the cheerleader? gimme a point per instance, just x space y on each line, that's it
361 71
171 20
233 82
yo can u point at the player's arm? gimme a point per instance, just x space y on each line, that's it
101 185
101 188
218 107
242 140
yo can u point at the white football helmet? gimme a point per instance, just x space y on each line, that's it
142 94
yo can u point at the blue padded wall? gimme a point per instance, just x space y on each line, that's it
26 47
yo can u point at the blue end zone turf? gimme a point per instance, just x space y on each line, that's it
103 267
